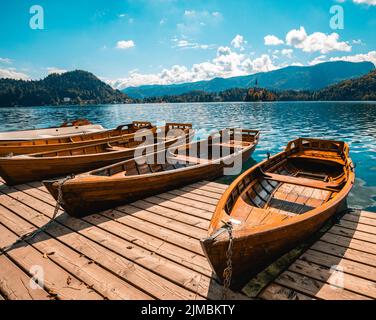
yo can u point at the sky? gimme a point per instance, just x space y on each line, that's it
137 42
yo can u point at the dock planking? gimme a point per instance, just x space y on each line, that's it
150 250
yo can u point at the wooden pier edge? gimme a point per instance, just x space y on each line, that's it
150 250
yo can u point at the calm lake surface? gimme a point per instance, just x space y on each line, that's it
279 123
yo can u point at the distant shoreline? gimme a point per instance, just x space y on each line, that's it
182 103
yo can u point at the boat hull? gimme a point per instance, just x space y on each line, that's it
49 132
94 194
253 252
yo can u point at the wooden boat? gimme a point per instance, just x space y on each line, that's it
38 166
278 203
79 126
134 179
59 143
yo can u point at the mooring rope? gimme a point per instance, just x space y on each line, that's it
30 236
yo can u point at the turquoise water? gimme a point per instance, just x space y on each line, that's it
279 122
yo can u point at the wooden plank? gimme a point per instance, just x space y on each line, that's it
355 234
173 214
348 266
349 282
99 279
357 226
315 288
55 278
15 284
310 183
135 275
202 191
359 219
349 243
212 184
194 196
207 187
277 292
339 251
158 220
362 213
183 200
204 214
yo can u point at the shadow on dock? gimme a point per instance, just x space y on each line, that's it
338 264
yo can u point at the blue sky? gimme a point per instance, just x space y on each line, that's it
134 42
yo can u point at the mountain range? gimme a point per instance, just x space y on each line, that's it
73 87
299 78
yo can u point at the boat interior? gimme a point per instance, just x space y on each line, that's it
120 130
289 184
199 152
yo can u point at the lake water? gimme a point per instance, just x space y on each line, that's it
279 123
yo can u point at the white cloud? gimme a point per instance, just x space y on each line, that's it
370 56
51 70
297 64
227 63
184 44
358 41
317 60
6 60
12 74
216 14
369 2
238 42
125 44
271 40
287 52
316 42
162 21
189 13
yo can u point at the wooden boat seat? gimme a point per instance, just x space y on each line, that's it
311 183
253 216
188 159
327 155
322 177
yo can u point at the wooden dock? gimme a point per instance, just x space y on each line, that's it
150 250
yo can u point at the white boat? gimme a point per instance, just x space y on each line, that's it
63 131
